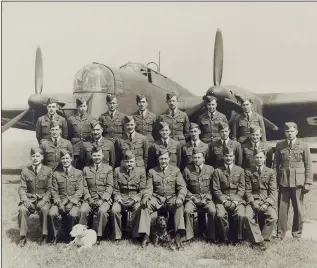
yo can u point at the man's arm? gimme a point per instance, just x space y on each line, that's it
55 191
181 186
308 165
145 151
86 190
186 177
64 128
116 189
79 190
269 156
38 130
47 196
272 189
248 187
217 187
109 186
262 126
186 127
23 187
112 155
241 187
238 154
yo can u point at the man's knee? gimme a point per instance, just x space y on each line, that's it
116 209
189 208
103 209
85 209
210 209
23 210
45 209
74 212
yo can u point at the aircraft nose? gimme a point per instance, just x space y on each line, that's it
219 92
37 101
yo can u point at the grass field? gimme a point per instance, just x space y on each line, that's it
288 253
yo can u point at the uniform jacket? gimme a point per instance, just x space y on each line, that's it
229 186
241 127
216 154
67 188
129 185
52 152
179 124
43 126
145 125
79 130
109 155
261 187
34 187
139 145
209 126
187 153
98 185
199 184
248 154
294 167
112 127
165 186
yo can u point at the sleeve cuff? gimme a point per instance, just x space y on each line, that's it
74 201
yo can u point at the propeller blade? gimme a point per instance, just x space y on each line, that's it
14 120
270 125
38 71
218 58
232 105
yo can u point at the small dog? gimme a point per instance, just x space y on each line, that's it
85 238
160 235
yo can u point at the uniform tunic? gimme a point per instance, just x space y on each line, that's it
248 154
112 127
187 152
145 125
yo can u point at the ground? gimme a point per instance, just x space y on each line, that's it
280 254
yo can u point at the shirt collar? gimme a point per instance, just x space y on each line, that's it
226 141
39 167
164 169
250 113
212 113
113 113
201 167
58 138
68 169
197 142
255 144
230 166
143 112
175 111
292 141
99 140
167 140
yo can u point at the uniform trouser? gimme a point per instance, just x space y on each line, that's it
230 223
68 219
24 214
116 217
102 216
286 195
210 209
269 218
155 204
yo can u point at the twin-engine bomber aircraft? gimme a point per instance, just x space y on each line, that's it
94 81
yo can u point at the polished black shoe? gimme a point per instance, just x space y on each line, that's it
43 240
98 240
179 244
55 240
22 241
145 241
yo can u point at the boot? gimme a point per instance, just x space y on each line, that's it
22 241
179 244
145 241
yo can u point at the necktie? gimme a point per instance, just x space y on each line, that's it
96 168
36 170
195 144
290 144
81 117
248 117
111 115
224 143
228 170
254 146
173 113
66 171
55 141
199 170
51 117
259 171
165 143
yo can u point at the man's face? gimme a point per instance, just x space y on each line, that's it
51 108
256 136
36 158
97 132
112 105
259 159
228 158
198 159
212 106
247 106
66 160
164 160
55 132
130 126
165 132
97 157
82 108
173 103
142 104
130 164
291 133
194 133
224 133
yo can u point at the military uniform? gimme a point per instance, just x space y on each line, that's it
248 154
187 152
98 185
145 124
112 127
199 184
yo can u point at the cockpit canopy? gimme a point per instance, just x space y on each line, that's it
135 68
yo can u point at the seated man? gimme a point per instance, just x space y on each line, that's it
67 190
129 184
98 188
165 190
198 178
35 194
261 193
229 189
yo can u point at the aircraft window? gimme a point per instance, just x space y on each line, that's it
135 68
94 77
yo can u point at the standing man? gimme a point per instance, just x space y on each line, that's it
165 190
67 190
216 147
53 146
134 141
111 121
294 177
241 125
43 123
129 185
177 120
195 142
229 189
35 194
144 119
210 120
96 140
98 188
198 178
79 129
261 194
252 145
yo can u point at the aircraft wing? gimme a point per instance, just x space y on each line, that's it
9 112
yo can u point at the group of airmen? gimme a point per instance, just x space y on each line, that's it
143 163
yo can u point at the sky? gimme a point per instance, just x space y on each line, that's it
268 47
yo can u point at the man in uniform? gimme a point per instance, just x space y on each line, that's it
43 123
229 189
216 147
241 125
144 119
261 194
195 142
294 178
129 185
177 120
254 143
98 188
165 142
96 140
67 190
111 121
54 145
79 129
210 120
198 178
165 190
35 194
134 141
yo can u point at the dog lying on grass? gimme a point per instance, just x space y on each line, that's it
160 235
85 238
